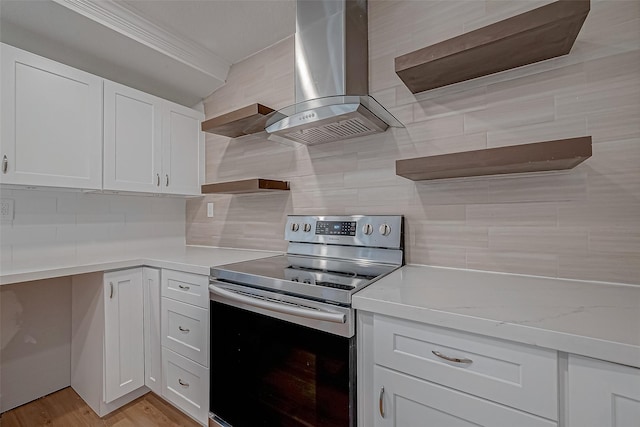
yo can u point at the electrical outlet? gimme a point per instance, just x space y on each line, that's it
210 210
6 210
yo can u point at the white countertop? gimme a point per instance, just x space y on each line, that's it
594 319
192 259
600 320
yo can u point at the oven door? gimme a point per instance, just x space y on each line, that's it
268 369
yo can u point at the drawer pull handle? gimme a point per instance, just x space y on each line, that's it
186 288
185 385
186 331
5 164
157 180
111 291
167 177
381 402
452 359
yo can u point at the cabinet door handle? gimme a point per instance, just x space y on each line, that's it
167 179
111 292
186 288
186 331
452 359
381 402
158 180
5 164
183 384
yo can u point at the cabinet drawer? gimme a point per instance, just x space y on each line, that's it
185 330
408 401
185 384
516 375
186 287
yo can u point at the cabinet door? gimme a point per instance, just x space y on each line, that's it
124 333
152 337
405 401
51 123
132 139
183 150
603 394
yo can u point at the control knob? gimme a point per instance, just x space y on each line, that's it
295 226
385 230
367 229
306 228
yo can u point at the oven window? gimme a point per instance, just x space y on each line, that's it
267 372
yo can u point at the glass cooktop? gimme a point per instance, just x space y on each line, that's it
319 278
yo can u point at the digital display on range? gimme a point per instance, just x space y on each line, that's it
336 228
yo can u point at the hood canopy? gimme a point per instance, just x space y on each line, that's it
332 118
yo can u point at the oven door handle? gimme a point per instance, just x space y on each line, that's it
281 308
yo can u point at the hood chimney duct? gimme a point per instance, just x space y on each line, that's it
331 76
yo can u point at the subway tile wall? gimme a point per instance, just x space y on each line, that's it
582 224
57 227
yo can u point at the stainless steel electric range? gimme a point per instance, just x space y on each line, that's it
282 328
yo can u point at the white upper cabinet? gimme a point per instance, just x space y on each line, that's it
57 132
150 145
132 139
51 123
182 150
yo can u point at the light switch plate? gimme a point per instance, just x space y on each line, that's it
6 210
210 210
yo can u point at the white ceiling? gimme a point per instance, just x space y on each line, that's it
232 29
176 49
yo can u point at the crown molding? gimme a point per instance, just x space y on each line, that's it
130 24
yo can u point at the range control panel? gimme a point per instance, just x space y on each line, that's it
336 228
383 231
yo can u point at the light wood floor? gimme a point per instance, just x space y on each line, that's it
65 408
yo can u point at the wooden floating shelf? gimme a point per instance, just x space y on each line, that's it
536 157
256 185
542 33
245 121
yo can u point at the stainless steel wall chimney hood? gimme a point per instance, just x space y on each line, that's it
331 76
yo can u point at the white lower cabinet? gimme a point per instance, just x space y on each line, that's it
184 330
407 401
428 375
186 287
152 335
185 342
515 375
123 333
129 338
602 394
108 338
185 384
